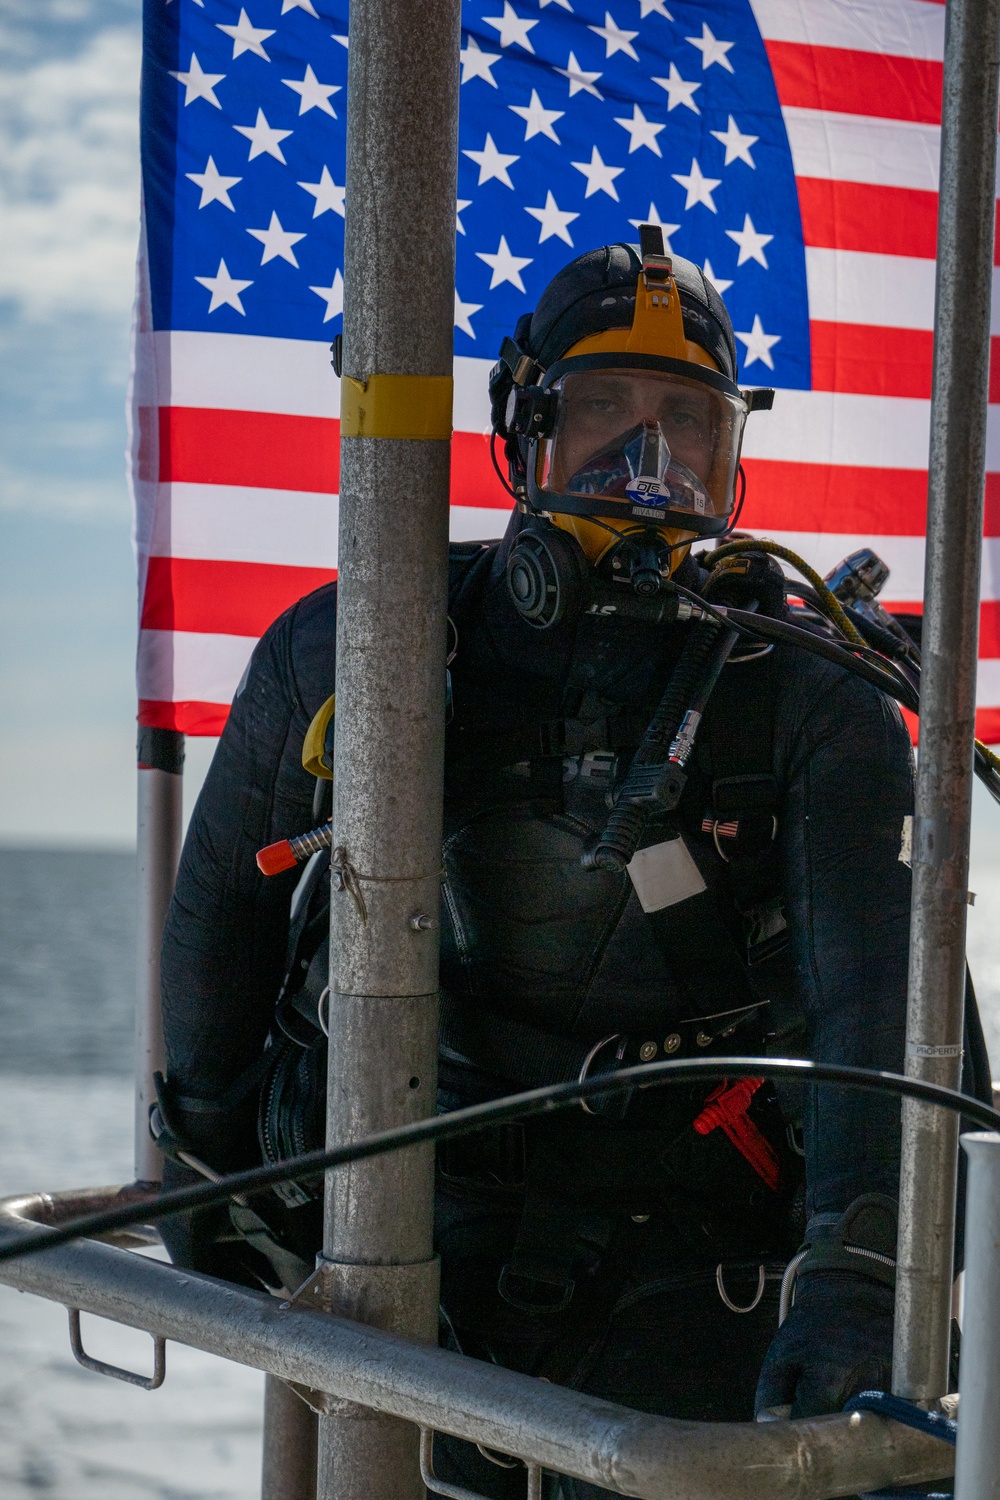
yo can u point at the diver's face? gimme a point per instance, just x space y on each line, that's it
599 406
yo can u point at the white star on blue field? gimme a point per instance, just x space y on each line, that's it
578 123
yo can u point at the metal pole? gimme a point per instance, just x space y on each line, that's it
977 1462
289 1466
158 848
934 1026
399 282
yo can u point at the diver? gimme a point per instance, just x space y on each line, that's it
597 912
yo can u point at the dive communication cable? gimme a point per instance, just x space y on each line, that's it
478 1117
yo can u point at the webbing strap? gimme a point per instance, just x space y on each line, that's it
740 729
701 954
507 1048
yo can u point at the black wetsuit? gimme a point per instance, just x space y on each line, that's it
630 1217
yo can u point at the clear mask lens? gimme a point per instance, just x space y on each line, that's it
644 441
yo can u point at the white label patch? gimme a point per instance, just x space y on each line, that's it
664 874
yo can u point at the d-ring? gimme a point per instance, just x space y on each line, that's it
761 1282
595 1049
718 847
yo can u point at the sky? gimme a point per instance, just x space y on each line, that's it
69 203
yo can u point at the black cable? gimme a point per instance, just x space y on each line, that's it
493 457
484 1116
792 635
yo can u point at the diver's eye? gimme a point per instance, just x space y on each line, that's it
686 420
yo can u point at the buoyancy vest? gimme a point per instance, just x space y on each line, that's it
548 968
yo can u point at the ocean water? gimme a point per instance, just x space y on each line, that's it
67 936
67 963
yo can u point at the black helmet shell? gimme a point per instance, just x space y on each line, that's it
596 292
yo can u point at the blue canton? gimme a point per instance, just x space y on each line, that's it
578 123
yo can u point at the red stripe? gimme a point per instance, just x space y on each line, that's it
856 83
210 719
788 496
265 450
867 216
224 598
872 361
473 478
824 497
862 216
841 498
989 624
188 717
987 725
881 361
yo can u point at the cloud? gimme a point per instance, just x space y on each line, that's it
69 178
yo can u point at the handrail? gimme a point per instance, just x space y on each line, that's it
627 1452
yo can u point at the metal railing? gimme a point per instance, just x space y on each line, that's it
341 1365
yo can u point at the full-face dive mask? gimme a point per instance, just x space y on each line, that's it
628 442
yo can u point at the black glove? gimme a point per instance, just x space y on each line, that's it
836 1341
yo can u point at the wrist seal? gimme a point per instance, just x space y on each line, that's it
862 1239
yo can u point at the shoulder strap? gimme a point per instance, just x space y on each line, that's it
740 729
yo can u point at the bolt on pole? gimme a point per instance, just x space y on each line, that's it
399 287
934 1029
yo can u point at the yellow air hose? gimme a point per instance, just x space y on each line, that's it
836 612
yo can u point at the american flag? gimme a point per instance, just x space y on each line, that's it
788 146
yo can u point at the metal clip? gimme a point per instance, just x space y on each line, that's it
459 1492
100 1367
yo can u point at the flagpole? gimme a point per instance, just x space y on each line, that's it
396 401
158 843
934 1030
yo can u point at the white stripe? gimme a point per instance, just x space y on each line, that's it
472 395
835 427
243 372
886 291
232 524
185 665
880 291
474 523
226 523
827 427
905 28
859 148
988 682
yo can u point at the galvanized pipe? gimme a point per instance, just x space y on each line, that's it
289 1460
948 692
627 1452
158 848
399 284
977 1463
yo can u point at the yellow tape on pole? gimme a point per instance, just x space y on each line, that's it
396 406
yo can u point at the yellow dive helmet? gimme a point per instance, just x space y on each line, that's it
619 407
